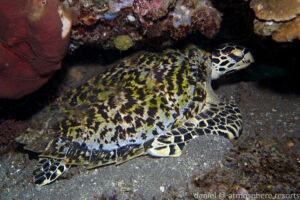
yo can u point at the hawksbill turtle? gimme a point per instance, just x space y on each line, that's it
151 103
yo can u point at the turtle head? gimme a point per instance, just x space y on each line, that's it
229 58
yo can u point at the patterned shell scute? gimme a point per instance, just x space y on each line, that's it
127 105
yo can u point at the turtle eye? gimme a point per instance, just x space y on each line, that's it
237 53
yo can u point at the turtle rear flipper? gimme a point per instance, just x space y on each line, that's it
222 119
48 170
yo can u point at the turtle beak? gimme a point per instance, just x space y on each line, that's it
231 71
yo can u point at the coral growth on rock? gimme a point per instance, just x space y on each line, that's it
33 41
123 42
36 40
288 31
278 18
101 21
199 15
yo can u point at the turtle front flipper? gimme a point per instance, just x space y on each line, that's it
48 170
222 119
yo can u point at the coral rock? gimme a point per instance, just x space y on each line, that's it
116 6
288 31
152 10
167 20
198 15
33 44
278 18
266 28
277 10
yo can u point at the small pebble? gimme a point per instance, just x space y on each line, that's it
289 143
162 188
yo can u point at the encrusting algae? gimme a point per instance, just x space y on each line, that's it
123 42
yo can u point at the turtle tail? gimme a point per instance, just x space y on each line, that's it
48 170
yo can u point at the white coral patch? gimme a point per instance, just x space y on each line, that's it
66 22
181 16
116 6
131 18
